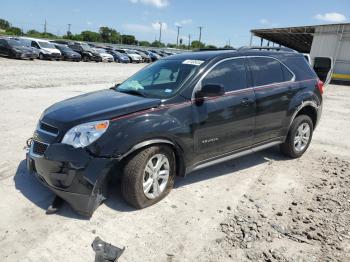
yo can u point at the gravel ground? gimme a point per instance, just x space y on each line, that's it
261 207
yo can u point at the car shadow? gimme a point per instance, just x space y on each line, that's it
230 166
41 196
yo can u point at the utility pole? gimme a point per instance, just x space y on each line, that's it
200 33
178 32
68 31
160 32
189 41
45 27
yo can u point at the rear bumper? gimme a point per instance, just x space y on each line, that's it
72 174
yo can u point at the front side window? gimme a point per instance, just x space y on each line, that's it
266 71
231 74
161 79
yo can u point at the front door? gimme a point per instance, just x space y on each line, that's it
225 123
3 48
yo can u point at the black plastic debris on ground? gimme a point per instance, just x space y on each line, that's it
105 252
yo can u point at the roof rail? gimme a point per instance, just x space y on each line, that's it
268 48
215 49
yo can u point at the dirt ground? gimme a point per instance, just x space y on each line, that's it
262 207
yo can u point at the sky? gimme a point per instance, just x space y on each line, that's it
223 21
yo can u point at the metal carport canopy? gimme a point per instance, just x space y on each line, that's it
297 38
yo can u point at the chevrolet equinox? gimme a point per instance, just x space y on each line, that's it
180 114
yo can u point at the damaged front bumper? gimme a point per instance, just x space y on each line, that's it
73 174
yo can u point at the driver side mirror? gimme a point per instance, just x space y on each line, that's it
210 90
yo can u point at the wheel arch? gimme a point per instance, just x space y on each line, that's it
308 108
178 151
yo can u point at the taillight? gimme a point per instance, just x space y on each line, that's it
320 86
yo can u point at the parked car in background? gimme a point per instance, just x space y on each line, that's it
118 57
86 52
16 49
67 53
145 57
104 55
134 58
158 52
27 44
46 49
154 57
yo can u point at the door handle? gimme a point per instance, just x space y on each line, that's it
247 101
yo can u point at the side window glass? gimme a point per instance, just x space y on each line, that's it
231 74
287 75
265 71
2 43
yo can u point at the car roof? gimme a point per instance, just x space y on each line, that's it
209 55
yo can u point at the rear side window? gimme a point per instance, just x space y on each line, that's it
231 74
3 43
266 71
300 67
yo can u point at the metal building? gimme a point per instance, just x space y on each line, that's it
324 43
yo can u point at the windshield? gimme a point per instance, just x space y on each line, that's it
101 51
63 48
13 42
86 47
46 45
131 52
161 79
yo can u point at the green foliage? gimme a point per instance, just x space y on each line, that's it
128 39
14 31
4 24
211 46
196 45
157 44
228 47
171 45
144 43
89 36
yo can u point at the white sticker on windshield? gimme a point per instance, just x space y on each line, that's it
193 62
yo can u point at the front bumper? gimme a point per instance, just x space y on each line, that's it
52 56
73 174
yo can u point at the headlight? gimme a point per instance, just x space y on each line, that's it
85 134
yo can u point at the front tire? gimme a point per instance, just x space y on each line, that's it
299 137
148 176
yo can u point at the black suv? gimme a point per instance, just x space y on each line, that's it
86 52
180 114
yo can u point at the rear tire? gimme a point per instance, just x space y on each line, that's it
41 56
299 137
146 181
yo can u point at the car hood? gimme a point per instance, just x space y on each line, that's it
99 105
52 50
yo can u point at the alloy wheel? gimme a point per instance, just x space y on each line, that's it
156 176
302 137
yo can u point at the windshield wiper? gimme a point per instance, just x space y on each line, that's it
132 92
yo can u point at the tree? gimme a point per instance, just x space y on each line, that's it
228 47
4 24
14 31
211 46
90 36
144 43
196 45
157 44
128 39
171 45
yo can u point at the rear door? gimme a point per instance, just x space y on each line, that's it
273 86
4 47
224 124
